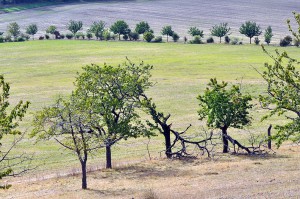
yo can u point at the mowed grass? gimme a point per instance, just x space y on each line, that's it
41 70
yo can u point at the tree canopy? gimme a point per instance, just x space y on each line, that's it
120 27
220 30
250 29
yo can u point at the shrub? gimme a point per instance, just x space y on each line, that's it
20 39
89 35
196 40
7 38
1 39
69 35
25 36
79 35
256 40
62 36
227 39
158 39
125 37
148 36
1 33
234 41
47 36
210 40
106 35
175 37
41 37
134 36
286 41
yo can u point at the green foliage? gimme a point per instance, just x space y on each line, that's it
120 27
250 29
32 30
74 26
175 37
47 36
210 40
9 122
69 35
106 35
167 30
148 36
98 28
256 40
13 29
296 33
220 30
224 108
51 29
268 35
1 39
133 36
142 27
196 40
158 39
286 41
283 96
79 35
89 35
194 31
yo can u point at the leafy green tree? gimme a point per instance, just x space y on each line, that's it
296 34
220 30
69 123
98 28
175 36
121 28
14 29
268 35
32 30
9 122
250 29
167 30
74 26
142 27
224 108
283 93
51 30
194 31
112 94
148 36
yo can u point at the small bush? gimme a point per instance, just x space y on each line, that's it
1 39
134 36
256 40
7 38
69 36
125 37
175 37
20 39
158 39
25 36
210 40
227 39
80 35
286 41
47 36
106 35
89 35
62 36
41 37
196 40
148 36
234 41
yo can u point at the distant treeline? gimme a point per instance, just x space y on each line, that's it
7 2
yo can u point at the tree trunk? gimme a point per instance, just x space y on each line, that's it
220 39
83 169
269 137
250 39
225 141
119 37
167 38
108 157
167 135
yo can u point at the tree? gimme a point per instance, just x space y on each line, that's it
120 27
69 124
74 26
148 36
250 29
142 27
194 31
220 30
32 30
175 36
51 30
167 30
98 28
224 108
112 94
268 35
14 29
283 93
9 122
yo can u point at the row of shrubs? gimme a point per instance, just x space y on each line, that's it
120 27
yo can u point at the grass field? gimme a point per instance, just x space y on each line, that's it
40 70
180 14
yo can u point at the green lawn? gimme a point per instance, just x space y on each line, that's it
40 70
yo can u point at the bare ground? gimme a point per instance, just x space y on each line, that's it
275 176
180 14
